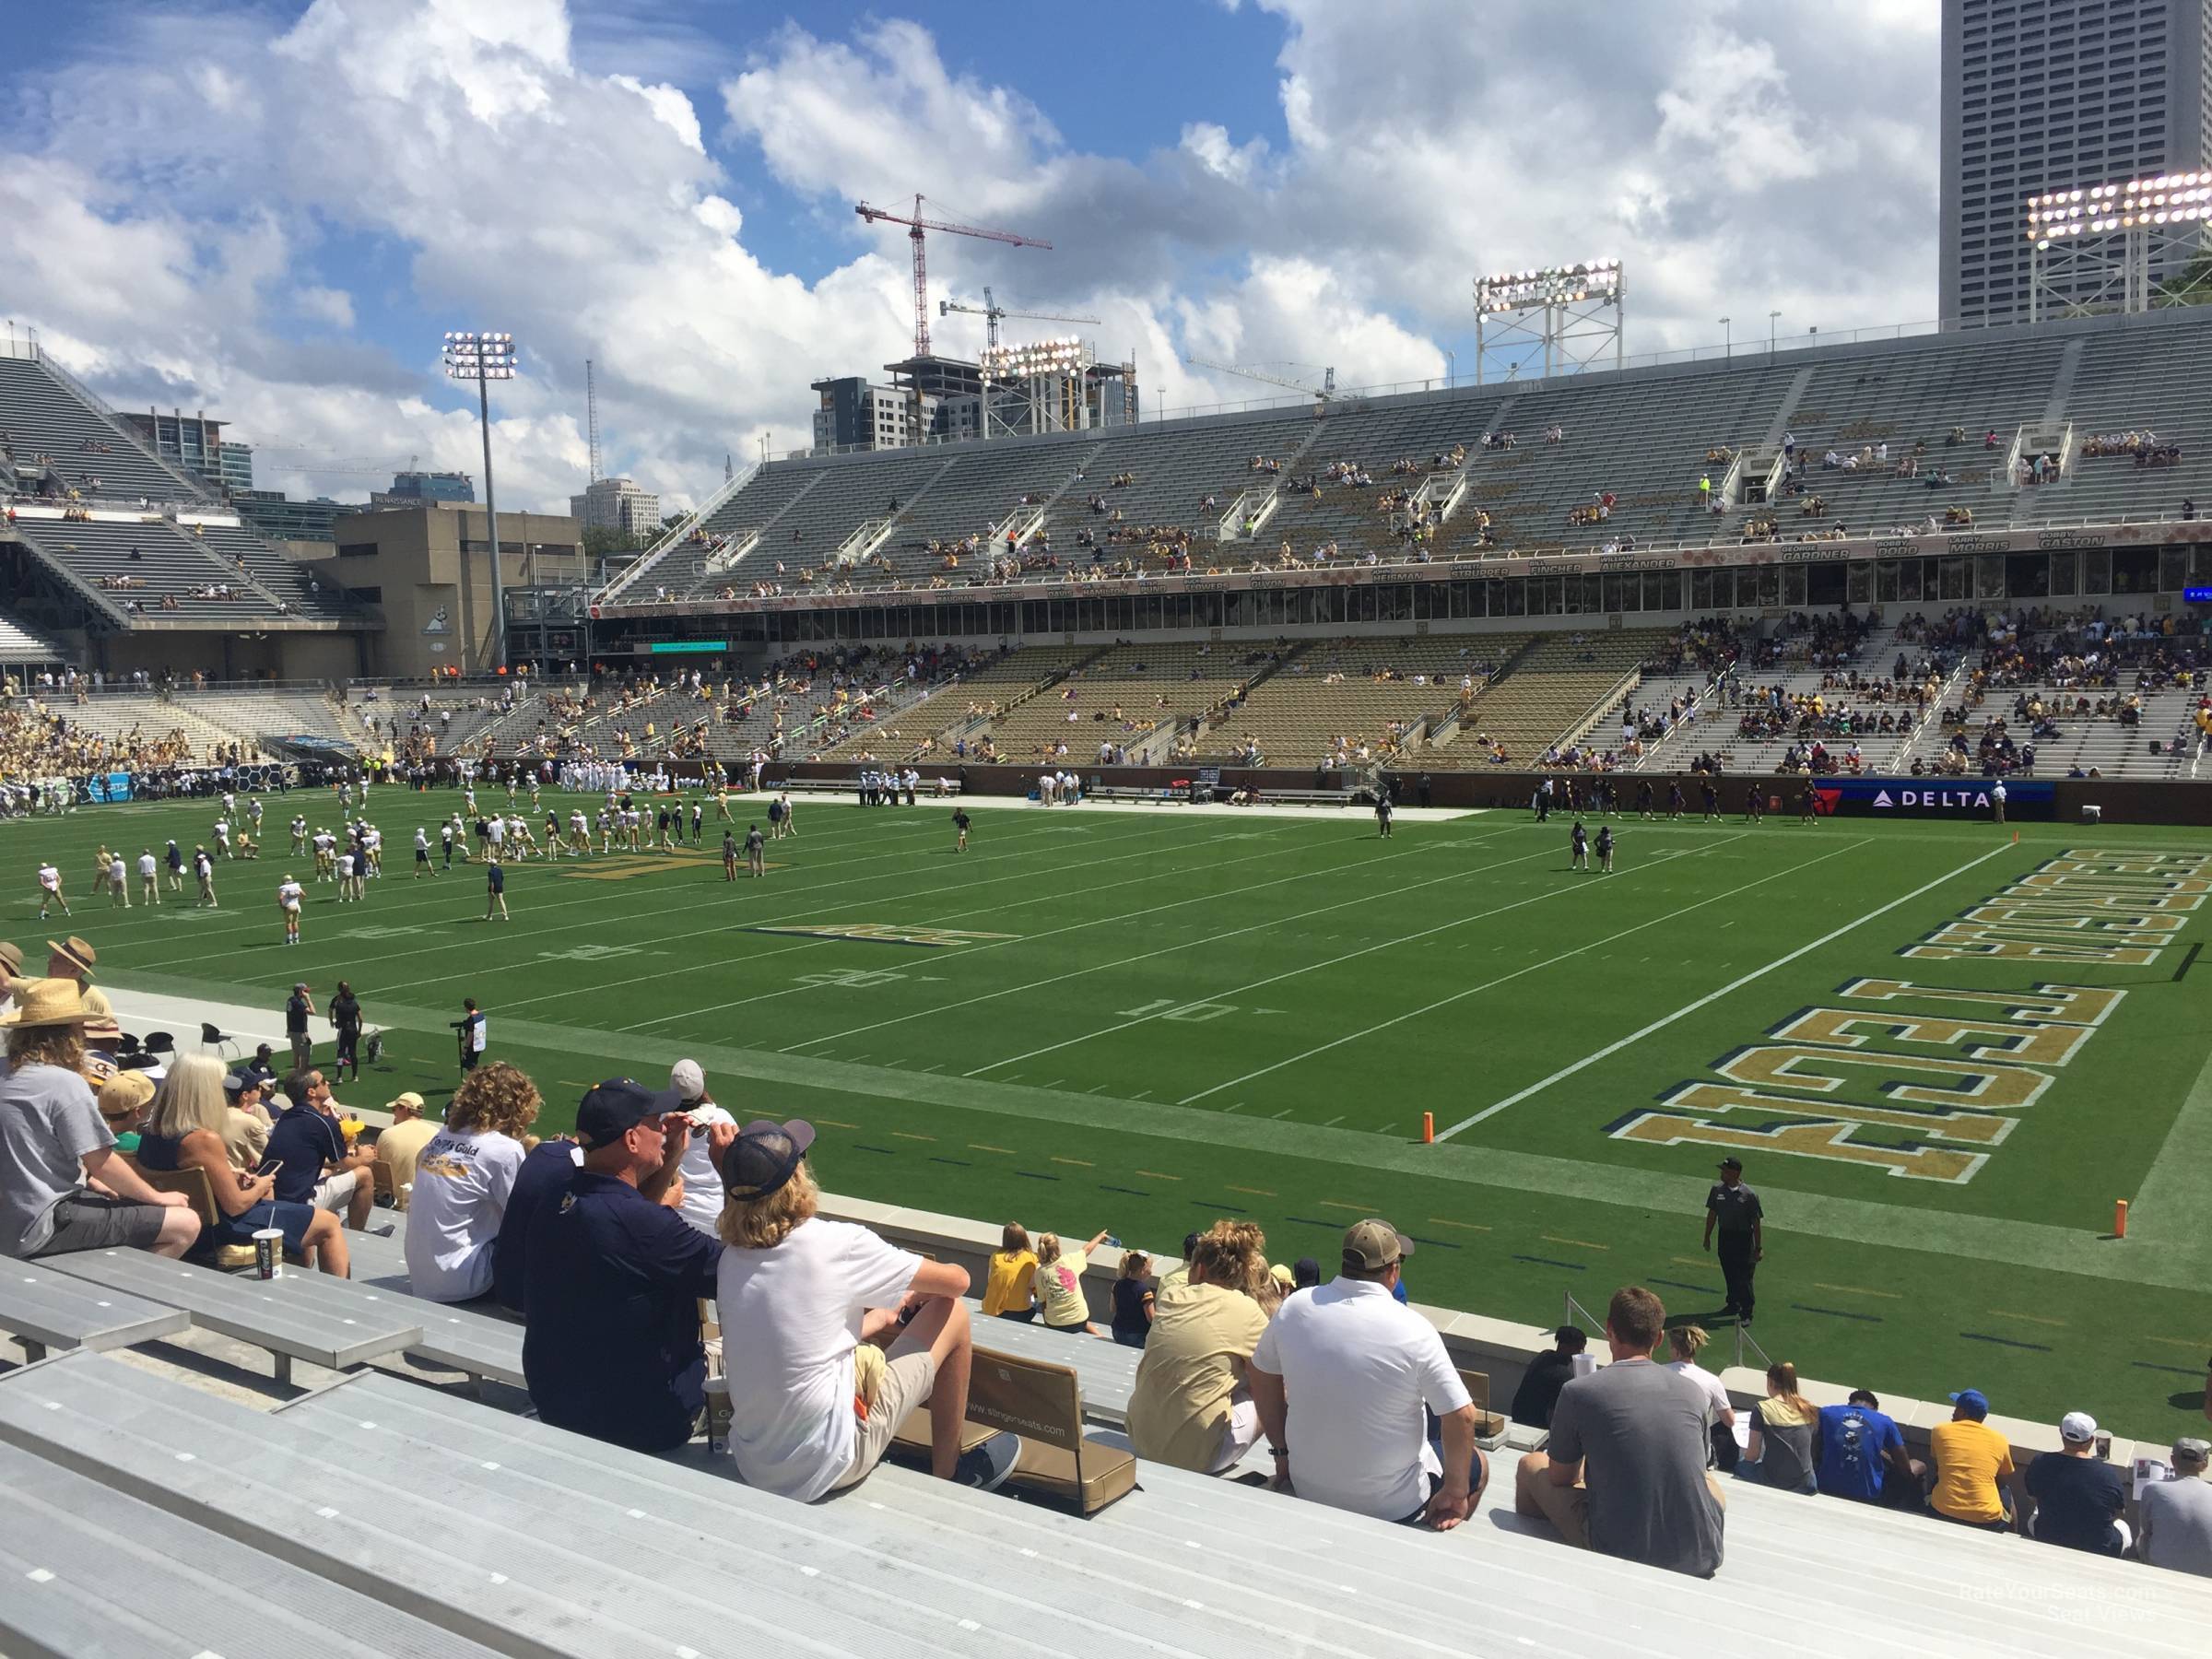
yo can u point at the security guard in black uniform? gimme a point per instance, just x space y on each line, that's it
1732 1209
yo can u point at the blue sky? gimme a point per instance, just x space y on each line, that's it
272 210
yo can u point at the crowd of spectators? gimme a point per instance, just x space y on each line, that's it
606 1243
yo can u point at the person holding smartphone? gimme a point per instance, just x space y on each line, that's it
186 1132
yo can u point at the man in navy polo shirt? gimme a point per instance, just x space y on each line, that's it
312 1162
541 1183
613 1279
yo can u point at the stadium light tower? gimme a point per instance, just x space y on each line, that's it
1036 387
1567 316
2099 248
484 358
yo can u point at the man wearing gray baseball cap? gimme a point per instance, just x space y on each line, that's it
2176 1513
1341 1376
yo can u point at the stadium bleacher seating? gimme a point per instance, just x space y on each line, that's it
321 1507
1152 686
65 452
21 642
1556 691
1644 437
115 715
1334 690
1000 683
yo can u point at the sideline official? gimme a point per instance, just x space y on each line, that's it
1733 1211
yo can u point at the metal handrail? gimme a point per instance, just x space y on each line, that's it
657 551
1575 1309
1743 1339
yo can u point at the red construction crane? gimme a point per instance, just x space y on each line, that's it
916 225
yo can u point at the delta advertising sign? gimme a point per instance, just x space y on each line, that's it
1934 797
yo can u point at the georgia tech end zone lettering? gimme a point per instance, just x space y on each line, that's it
1950 1066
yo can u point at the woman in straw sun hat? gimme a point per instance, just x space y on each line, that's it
54 1145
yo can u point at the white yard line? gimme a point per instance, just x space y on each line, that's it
1711 997
1446 1002
383 911
1348 956
1209 939
1030 898
1150 878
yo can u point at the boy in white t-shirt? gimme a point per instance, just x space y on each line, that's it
462 1178
702 1187
814 1399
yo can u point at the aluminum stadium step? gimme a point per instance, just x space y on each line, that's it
96 1571
301 1315
44 1309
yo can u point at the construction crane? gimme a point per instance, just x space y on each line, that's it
991 312
1325 391
916 225
591 407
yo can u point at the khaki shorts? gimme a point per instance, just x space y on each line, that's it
892 1387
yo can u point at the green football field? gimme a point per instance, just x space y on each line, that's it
1943 1052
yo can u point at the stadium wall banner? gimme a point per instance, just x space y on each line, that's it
2027 798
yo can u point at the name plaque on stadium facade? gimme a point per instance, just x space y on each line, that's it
2032 798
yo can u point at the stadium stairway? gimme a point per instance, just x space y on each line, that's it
21 642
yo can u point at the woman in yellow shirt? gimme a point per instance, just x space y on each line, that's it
1012 1276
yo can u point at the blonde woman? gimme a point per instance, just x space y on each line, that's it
186 1132
1060 1282
1683 1342
844 1336
1191 1405
463 1177
1010 1282
1781 1449
1242 1263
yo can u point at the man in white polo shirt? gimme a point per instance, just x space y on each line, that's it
1340 1378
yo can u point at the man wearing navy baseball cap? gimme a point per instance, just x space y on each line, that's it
612 1277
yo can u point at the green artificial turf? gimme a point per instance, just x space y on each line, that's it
1141 1021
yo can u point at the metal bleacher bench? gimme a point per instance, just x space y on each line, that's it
502 1530
477 1526
45 1308
301 1316
93 1569
480 1345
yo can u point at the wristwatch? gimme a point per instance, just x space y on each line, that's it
1281 1454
